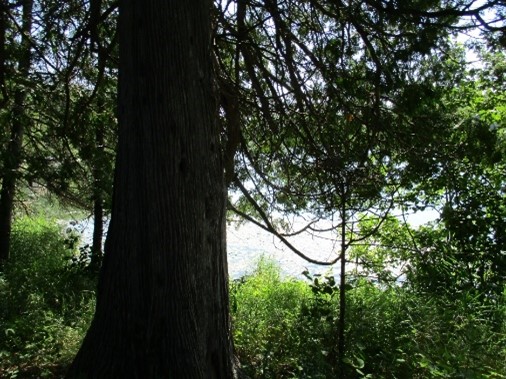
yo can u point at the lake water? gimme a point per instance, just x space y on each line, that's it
247 244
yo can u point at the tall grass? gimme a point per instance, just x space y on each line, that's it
266 311
47 302
283 329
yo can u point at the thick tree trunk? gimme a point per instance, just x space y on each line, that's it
14 149
162 302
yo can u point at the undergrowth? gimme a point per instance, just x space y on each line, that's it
282 327
285 328
47 301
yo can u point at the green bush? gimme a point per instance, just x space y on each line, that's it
46 303
287 329
265 312
457 338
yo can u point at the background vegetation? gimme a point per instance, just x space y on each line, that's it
283 327
48 298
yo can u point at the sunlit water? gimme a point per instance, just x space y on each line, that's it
247 244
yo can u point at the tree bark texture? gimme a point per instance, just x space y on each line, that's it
98 227
98 196
14 149
162 302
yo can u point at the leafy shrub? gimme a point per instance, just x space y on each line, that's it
287 329
46 301
265 312
458 337
377 330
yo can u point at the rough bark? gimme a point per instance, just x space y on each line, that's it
98 196
162 301
14 148
98 228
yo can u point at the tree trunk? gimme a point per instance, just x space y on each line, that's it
98 195
14 149
341 348
162 302
3 50
98 228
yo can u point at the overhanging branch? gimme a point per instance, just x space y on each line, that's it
267 226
